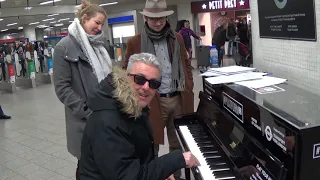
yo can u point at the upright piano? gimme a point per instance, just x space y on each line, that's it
240 133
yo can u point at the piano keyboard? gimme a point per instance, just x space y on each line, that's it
212 166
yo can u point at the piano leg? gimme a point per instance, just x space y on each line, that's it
187 173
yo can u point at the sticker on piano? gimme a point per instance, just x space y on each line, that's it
316 151
233 106
254 123
268 90
276 136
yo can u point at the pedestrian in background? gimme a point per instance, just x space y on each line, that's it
186 34
2 115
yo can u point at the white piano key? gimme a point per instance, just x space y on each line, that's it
204 168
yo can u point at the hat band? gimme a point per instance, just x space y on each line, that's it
155 10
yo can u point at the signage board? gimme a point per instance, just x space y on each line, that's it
287 19
219 5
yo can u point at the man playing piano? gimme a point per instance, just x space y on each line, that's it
118 143
175 95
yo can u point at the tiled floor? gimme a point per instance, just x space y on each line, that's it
33 143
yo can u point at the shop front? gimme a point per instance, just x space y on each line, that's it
211 14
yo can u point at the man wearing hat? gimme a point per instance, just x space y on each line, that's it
175 95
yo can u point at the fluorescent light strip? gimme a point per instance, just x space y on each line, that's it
63 19
58 24
19 28
48 2
2 0
53 15
1 19
3 30
108 4
33 23
42 26
12 24
48 19
53 22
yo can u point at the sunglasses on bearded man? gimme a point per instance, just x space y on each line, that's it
141 80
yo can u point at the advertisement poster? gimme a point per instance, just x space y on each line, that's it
287 19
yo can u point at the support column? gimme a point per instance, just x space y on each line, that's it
29 32
39 33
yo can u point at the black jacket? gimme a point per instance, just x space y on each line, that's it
231 30
117 143
219 37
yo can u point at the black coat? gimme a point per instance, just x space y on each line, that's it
117 143
219 37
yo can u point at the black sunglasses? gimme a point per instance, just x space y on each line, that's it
140 80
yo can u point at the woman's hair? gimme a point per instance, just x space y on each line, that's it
90 10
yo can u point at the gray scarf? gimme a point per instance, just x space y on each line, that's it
147 38
92 46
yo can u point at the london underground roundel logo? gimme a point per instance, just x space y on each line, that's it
281 3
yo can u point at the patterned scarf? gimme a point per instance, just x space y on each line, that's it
92 46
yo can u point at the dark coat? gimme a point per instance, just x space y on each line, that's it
117 143
73 78
157 124
219 37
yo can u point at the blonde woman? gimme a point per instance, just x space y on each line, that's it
80 63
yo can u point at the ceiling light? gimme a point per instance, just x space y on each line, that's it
53 22
3 30
1 19
45 36
42 26
63 19
2 0
12 24
58 24
108 4
53 15
48 19
28 8
48 2
19 28
33 23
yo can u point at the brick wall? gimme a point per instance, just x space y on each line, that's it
297 61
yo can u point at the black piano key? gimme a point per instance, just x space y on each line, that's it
204 141
200 136
195 134
207 149
223 174
205 145
212 156
218 166
212 153
215 161
199 139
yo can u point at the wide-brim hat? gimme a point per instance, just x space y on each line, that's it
156 8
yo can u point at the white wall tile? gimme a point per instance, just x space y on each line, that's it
298 61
